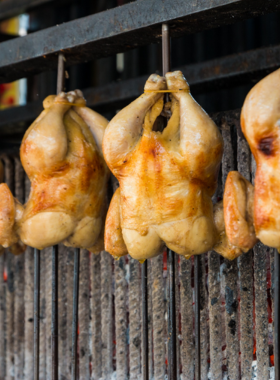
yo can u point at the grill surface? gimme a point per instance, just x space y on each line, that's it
234 297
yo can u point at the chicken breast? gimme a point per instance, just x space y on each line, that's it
61 154
166 178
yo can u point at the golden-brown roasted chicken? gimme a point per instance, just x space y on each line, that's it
260 122
166 178
18 247
238 212
61 154
1 180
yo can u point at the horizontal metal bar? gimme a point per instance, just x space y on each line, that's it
11 8
118 30
206 76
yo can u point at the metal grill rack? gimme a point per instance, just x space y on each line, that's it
73 290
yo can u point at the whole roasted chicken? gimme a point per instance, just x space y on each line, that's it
166 178
260 122
61 154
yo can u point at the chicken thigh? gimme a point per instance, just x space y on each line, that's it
260 122
61 154
166 178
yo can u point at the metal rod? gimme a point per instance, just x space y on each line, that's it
75 313
172 352
54 330
276 315
165 49
60 73
36 313
145 330
54 326
197 316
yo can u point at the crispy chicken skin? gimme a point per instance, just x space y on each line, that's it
1 180
223 246
166 178
238 212
260 122
61 154
17 247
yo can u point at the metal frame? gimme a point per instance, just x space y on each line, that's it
218 73
118 30
115 31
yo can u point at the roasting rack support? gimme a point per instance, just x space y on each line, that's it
197 316
54 323
54 326
36 346
172 354
276 315
75 314
145 329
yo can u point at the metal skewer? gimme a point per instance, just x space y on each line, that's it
172 353
36 347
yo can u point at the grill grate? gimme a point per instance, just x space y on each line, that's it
236 300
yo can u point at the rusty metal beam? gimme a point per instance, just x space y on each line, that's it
206 76
118 30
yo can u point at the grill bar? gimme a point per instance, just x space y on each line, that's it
246 271
197 316
36 313
54 331
75 313
145 330
276 314
172 361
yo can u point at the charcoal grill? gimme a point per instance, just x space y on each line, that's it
198 318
